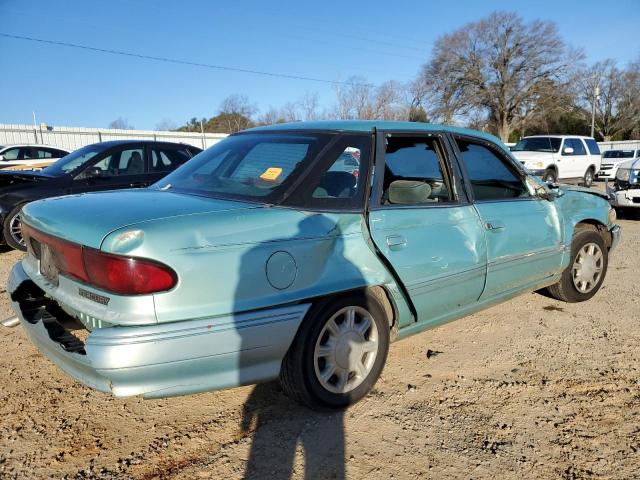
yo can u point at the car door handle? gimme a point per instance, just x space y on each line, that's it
494 225
396 242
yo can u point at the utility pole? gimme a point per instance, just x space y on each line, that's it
596 96
35 126
202 133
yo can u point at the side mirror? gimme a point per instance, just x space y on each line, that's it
567 151
1 158
546 191
91 172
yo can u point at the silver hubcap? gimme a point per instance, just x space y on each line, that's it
588 178
346 349
587 267
14 228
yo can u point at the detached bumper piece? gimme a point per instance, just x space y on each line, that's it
35 307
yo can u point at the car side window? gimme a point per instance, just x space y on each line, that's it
131 162
168 159
44 153
490 176
28 153
415 172
338 181
11 154
119 163
341 179
578 146
592 145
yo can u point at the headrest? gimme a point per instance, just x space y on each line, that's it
409 192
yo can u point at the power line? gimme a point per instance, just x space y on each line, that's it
179 61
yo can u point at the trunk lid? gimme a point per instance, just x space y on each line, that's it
87 219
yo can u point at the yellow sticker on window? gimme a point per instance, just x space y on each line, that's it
271 174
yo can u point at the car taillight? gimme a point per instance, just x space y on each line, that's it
118 274
127 275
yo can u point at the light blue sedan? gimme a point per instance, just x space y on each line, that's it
268 256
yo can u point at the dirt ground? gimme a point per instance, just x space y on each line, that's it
533 388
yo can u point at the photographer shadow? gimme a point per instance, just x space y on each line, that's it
281 428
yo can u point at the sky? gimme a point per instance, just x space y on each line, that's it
329 40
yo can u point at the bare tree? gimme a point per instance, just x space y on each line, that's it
617 105
235 114
309 105
499 66
356 99
121 124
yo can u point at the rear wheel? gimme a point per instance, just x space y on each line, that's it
587 181
338 353
12 230
584 276
550 176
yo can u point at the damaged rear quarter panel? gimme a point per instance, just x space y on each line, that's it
221 259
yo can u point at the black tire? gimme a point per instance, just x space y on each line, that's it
566 290
298 375
550 176
11 237
587 180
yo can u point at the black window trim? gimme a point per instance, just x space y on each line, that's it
452 172
507 159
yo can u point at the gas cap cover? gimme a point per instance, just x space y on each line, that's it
281 270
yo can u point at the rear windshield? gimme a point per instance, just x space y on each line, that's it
618 154
538 144
252 166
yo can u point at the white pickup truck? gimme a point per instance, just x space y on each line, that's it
559 157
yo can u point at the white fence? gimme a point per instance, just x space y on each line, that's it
619 145
73 138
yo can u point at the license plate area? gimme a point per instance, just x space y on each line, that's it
48 268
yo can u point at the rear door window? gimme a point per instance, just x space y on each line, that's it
44 153
167 159
592 145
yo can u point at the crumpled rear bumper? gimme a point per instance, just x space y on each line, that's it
159 360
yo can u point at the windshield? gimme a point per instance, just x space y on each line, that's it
538 144
74 161
252 166
618 154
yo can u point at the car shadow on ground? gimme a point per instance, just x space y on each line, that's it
281 428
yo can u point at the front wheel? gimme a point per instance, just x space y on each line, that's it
584 276
338 353
12 230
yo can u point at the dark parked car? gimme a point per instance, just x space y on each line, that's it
100 166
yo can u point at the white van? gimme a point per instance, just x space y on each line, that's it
559 157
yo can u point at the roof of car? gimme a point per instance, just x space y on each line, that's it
560 135
369 125
35 145
115 143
